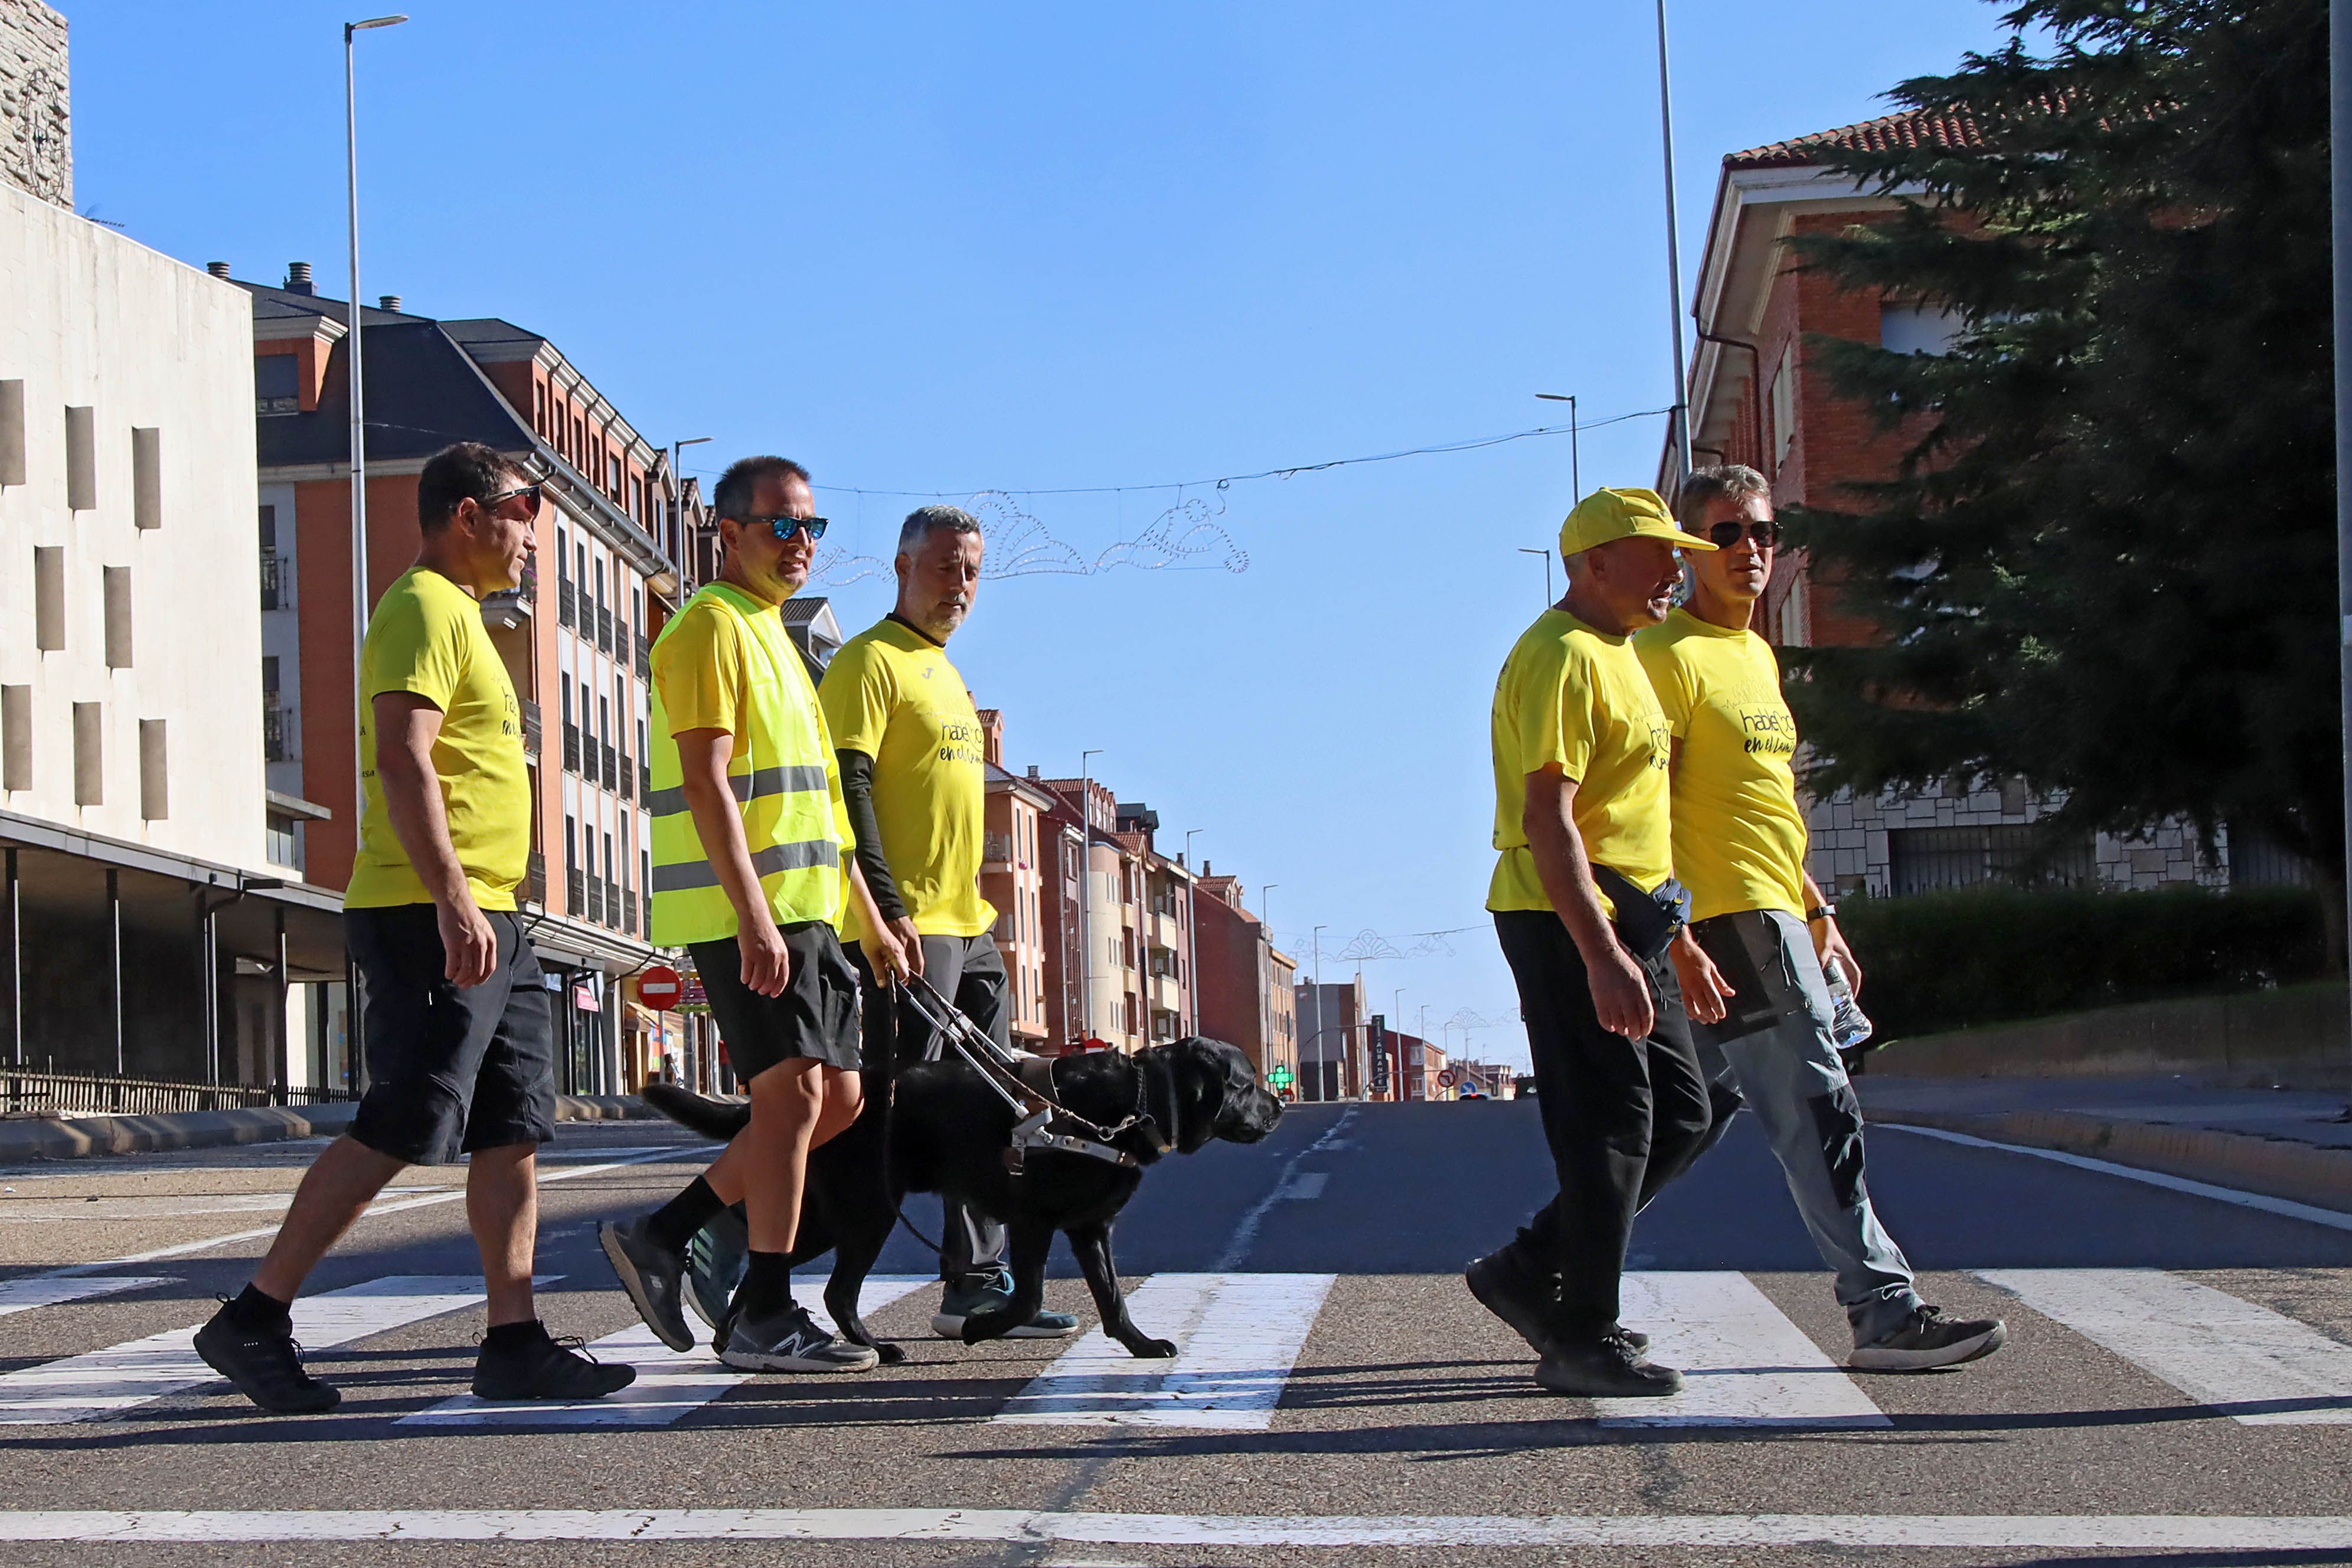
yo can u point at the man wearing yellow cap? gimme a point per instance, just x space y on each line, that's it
1586 906
1753 960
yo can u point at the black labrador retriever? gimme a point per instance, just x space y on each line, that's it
943 1130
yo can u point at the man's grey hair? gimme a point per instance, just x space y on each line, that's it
926 520
1729 481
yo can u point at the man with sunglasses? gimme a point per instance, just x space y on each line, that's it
752 871
459 1041
1751 961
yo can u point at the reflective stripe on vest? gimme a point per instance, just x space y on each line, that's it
781 775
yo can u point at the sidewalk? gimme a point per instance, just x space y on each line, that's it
82 1137
2283 1143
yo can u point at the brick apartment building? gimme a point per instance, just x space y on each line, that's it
1333 1025
1012 878
611 540
1243 984
1756 399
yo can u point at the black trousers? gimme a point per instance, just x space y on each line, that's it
967 970
1624 1117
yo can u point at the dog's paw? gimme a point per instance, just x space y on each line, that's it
1153 1349
892 1355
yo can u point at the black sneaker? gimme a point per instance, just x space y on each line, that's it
1525 1300
546 1368
266 1366
652 1275
1606 1368
789 1341
1930 1339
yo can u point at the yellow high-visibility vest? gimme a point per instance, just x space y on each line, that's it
726 651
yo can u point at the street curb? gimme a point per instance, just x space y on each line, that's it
2272 1167
82 1138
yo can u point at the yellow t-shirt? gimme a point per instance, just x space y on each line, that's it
1578 698
725 662
1739 839
427 636
891 693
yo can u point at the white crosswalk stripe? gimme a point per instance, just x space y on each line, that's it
669 1382
1237 1337
110 1380
2260 1367
23 1295
1743 1362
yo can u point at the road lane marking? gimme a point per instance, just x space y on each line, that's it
2209 1344
2287 1208
1743 1362
2142 1532
1244 1236
1305 1185
669 1382
1237 1337
108 1382
684 1152
23 1295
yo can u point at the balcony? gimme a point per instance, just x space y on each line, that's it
1166 934
612 774
572 748
644 657
628 908
577 896
627 777
595 901
1165 994
996 852
273 595
611 903
645 782
603 628
566 610
276 733
534 879
533 731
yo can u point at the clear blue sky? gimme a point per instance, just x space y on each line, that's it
949 247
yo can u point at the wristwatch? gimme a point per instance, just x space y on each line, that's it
1819 912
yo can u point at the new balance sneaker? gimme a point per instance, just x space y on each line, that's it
716 1261
266 1367
1931 1340
544 1367
652 1274
993 1293
789 1341
1606 1368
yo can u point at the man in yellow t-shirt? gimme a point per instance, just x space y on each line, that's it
914 779
1754 975
459 1044
1584 903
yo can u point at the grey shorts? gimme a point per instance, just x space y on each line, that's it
815 1016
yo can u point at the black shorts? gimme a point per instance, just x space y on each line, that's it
449 1069
817 1016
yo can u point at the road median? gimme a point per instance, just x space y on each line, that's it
86 1137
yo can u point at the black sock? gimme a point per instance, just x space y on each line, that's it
767 1285
255 1312
674 1223
514 1336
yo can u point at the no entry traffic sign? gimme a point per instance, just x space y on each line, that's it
658 987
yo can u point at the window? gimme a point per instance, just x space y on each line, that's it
117 593
277 384
154 775
146 478
16 737
1928 860
612 473
48 598
89 753
1784 404
1919 329
12 432
81 459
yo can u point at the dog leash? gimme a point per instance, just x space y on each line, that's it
1035 1109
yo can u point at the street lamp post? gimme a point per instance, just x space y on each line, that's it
1547 561
2339 39
1575 466
352 315
1086 893
678 499
1191 930
1681 414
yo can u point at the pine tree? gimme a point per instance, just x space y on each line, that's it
2106 562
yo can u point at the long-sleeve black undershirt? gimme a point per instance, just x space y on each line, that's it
857 795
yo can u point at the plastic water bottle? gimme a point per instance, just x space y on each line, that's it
1849 1025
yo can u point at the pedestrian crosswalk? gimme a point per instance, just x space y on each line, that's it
1241 1340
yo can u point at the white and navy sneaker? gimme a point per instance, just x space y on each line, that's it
789 1341
993 1294
1929 1339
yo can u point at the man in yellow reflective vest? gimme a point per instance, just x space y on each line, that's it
752 865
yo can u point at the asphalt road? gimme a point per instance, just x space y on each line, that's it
1339 1396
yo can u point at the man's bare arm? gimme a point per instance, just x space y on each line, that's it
703 756
1621 990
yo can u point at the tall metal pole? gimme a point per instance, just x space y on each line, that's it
2339 41
16 963
1191 930
1681 415
1575 462
114 958
1086 893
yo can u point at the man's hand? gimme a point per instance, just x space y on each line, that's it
1829 942
767 964
1706 992
885 954
1621 994
911 944
470 946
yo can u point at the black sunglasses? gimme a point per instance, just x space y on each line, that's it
1766 534
785 527
534 492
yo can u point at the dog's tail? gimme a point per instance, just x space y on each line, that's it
717 1119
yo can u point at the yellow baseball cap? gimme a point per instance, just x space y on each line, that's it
1608 514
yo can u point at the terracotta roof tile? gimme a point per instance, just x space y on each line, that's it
1892 132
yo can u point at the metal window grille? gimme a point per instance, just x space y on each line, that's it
572 748
1932 859
2258 860
566 610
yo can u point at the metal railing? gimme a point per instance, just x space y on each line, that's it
611 765
533 731
627 776
644 659
572 748
573 886
273 734
605 628
566 611
611 903
94 1094
595 901
995 848
645 782
534 878
272 585
628 908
